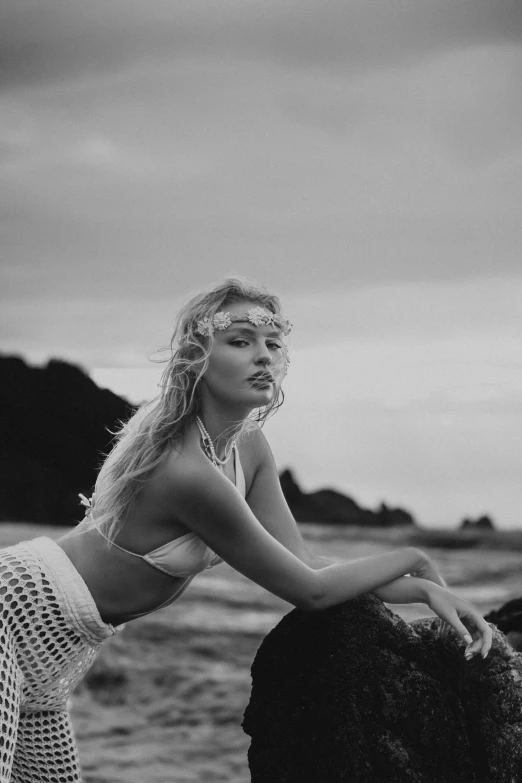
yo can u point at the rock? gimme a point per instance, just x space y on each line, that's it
393 517
481 523
331 507
54 425
508 619
353 693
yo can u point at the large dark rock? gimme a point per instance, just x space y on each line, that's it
55 426
334 508
354 693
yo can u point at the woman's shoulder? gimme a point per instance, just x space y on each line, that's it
185 457
255 454
187 467
256 446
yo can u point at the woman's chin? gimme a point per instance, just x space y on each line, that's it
261 397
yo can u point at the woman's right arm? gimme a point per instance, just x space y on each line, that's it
207 503
211 506
342 581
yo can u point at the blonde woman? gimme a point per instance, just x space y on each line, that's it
190 482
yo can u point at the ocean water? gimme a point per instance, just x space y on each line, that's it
164 701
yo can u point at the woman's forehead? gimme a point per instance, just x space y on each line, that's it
238 308
263 330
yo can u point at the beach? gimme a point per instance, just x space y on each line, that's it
164 701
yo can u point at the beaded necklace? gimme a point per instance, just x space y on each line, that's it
208 446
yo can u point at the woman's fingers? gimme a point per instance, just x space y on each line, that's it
478 640
474 631
456 623
482 635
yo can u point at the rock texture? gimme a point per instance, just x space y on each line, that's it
354 693
508 619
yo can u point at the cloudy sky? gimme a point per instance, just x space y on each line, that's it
362 158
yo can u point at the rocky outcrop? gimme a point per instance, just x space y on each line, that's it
55 426
481 523
332 507
354 694
508 619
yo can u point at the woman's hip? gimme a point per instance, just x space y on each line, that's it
50 629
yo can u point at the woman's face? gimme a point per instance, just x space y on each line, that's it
246 364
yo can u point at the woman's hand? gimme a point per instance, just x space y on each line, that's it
464 618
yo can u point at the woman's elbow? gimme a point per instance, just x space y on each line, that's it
311 600
303 593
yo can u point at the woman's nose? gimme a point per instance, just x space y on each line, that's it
263 355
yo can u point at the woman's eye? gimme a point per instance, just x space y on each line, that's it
274 346
238 342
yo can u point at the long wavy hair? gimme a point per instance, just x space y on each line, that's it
141 443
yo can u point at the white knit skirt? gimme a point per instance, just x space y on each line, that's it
50 632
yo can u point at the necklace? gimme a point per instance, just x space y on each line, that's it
208 446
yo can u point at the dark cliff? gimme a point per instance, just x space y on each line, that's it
54 428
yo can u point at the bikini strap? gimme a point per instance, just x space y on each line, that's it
113 543
240 476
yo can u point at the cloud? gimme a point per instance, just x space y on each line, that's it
51 41
151 177
303 179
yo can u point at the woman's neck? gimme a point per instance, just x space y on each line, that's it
222 429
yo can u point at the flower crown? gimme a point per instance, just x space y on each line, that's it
257 316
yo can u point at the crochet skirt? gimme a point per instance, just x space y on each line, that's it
50 633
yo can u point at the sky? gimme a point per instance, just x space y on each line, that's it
362 159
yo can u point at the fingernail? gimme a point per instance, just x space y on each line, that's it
486 654
468 639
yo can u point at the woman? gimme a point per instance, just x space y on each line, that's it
190 482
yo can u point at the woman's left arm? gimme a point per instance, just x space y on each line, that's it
405 590
449 608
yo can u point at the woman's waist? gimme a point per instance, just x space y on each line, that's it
122 586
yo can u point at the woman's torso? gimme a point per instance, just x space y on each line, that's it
125 586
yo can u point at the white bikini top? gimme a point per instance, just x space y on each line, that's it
186 555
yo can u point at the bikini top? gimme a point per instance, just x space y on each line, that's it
186 555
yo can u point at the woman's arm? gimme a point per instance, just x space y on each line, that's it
207 503
266 500
268 504
316 561
402 561
405 590
451 609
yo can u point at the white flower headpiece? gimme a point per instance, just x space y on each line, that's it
257 316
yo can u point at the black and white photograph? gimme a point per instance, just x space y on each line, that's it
261 391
